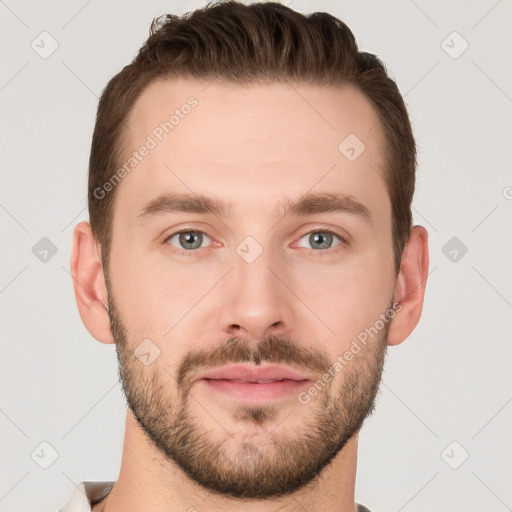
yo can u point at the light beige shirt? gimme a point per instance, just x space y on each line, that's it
88 494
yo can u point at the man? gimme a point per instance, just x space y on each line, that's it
251 254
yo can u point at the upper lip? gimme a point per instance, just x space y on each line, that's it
253 373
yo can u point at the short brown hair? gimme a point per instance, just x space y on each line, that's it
244 44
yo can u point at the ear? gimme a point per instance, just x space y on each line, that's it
410 286
89 283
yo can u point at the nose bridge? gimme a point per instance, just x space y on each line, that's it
256 303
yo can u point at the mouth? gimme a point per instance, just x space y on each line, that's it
252 383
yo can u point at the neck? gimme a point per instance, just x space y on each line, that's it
149 481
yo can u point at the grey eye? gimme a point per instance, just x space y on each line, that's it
188 240
320 239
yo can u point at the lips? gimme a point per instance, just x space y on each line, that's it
253 374
253 384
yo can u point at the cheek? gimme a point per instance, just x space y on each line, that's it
139 294
348 297
158 297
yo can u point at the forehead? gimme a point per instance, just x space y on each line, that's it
225 112
279 139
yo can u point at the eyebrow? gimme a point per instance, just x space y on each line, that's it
308 204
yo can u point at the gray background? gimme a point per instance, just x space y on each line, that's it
450 381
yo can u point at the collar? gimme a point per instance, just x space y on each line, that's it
86 494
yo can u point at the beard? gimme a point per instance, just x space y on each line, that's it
257 464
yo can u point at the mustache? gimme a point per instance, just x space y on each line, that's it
272 349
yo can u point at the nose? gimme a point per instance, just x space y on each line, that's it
255 300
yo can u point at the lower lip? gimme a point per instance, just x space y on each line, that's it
255 390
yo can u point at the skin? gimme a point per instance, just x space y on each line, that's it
274 145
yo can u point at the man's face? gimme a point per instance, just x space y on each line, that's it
252 288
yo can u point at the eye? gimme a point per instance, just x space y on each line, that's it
321 239
187 240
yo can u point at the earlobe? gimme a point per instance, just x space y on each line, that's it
89 283
410 286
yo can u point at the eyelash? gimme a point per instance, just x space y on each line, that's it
319 253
